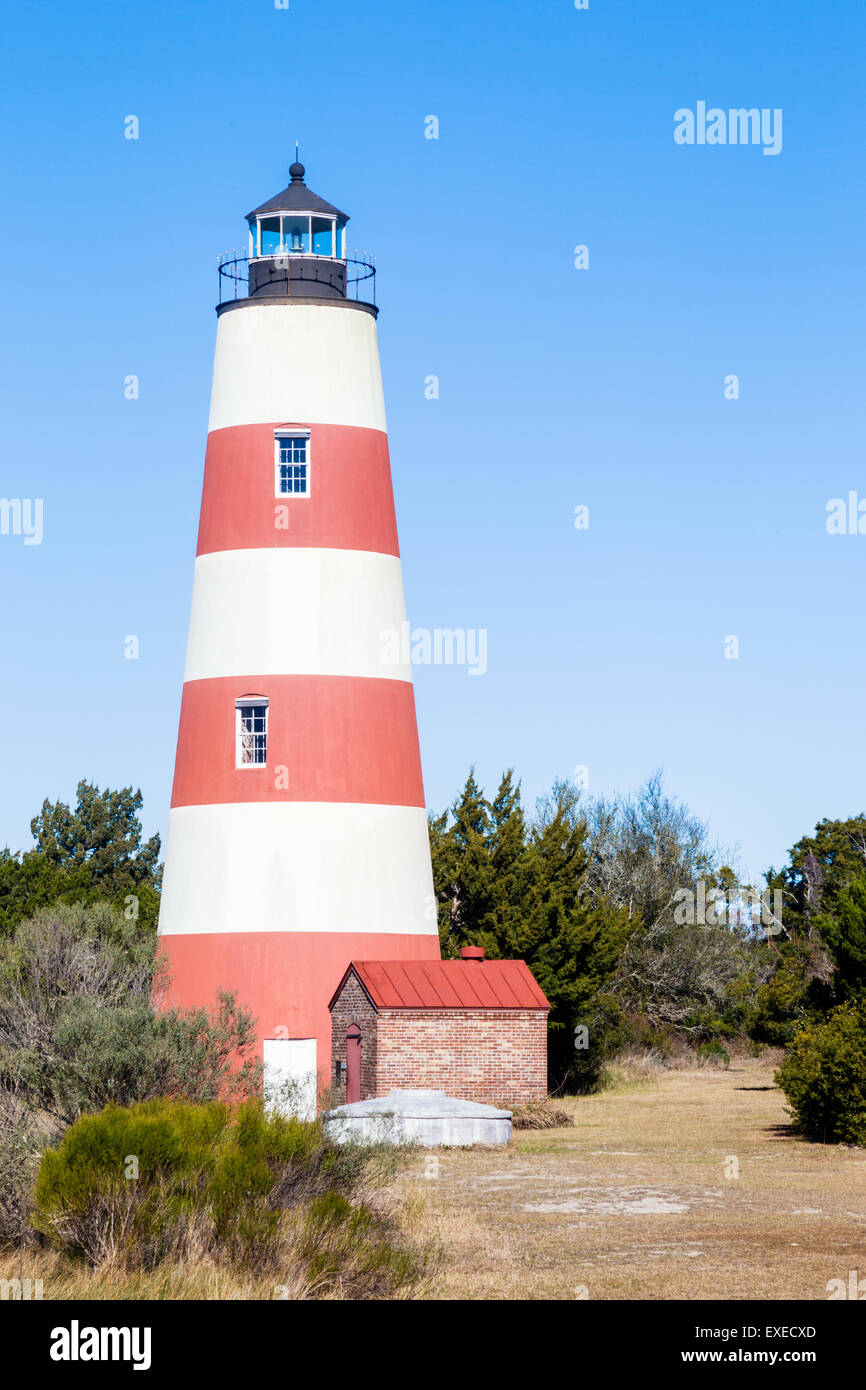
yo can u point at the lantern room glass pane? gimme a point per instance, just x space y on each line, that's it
323 236
296 234
341 241
270 236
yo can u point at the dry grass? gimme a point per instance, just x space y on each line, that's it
634 1201
62 1278
540 1114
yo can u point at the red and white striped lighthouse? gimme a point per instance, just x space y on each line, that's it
297 835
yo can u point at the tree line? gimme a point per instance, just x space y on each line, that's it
634 922
637 926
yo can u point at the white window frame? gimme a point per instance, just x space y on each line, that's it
246 702
290 432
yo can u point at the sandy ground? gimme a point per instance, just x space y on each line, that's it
688 1186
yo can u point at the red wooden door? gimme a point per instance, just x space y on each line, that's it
353 1064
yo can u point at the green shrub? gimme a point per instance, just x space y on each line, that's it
714 1052
824 1076
350 1247
166 1180
795 993
122 1183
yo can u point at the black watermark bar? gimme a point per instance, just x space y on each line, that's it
87 1340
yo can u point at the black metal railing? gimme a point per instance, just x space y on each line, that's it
234 273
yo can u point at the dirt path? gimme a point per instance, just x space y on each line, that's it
635 1201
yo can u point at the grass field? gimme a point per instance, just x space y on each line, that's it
634 1201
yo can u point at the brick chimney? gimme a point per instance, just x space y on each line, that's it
475 953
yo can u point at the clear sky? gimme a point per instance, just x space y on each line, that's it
559 387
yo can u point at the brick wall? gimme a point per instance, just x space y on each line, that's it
487 1055
354 1007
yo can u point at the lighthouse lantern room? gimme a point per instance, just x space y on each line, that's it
297 236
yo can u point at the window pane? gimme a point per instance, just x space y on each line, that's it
293 477
252 735
296 234
322 236
293 450
270 235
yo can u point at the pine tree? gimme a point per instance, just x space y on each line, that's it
570 942
845 934
471 880
506 847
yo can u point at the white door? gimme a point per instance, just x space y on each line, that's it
290 1076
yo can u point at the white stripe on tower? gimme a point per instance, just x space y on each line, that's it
316 612
296 362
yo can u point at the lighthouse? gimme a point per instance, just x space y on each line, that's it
297 836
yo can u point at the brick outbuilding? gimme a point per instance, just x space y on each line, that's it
474 1028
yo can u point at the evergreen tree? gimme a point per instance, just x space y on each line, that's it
519 893
90 853
820 959
571 943
103 832
469 886
507 848
845 934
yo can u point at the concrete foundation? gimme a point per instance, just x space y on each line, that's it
429 1118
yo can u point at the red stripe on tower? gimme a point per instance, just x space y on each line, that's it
350 504
312 722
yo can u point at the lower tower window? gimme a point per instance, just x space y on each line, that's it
251 731
292 463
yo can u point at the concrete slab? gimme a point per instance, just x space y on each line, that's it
429 1118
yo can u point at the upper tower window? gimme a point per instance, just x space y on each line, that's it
292 463
251 731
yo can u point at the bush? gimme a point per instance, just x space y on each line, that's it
78 1030
168 1181
789 997
606 1032
350 1247
19 1160
639 1031
824 1076
715 1053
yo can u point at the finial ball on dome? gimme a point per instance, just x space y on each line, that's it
297 172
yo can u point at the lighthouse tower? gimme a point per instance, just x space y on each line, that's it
297 834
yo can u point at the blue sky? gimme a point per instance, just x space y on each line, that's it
558 387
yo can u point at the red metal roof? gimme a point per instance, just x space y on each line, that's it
448 984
